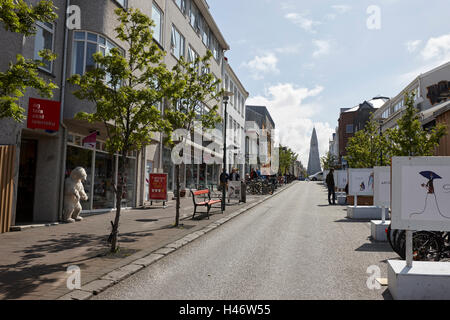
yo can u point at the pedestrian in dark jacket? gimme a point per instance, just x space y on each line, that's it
331 186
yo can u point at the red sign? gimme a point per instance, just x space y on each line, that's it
43 114
90 141
158 187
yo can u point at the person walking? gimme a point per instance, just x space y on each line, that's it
331 186
235 175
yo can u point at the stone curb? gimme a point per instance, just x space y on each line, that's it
108 280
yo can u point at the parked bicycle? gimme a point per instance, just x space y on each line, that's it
427 245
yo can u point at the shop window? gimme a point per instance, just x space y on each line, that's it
78 157
104 181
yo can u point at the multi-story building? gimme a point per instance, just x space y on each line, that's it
259 126
236 119
46 157
431 89
354 119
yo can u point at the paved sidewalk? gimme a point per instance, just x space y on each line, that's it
33 262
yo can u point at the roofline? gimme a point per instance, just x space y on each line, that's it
268 113
236 77
204 9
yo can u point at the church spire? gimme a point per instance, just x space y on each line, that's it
314 158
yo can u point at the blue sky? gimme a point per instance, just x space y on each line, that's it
305 60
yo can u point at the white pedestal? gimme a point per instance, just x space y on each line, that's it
378 230
424 281
364 212
341 200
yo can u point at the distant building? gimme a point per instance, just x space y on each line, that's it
354 119
314 158
259 140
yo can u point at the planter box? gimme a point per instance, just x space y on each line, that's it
362 200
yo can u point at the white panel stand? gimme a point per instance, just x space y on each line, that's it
423 281
378 227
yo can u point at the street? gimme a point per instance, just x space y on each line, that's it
293 246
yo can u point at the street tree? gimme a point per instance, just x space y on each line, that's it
287 159
127 89
409 138
368 148
196 89
19 17
328 161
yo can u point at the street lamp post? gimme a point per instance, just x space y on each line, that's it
226 98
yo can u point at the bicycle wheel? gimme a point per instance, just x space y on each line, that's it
427 246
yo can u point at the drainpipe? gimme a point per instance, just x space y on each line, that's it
63 126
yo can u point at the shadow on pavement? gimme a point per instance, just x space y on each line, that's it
351 221
375 247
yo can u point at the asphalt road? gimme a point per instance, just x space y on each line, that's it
291 247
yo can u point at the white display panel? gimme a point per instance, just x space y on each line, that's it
341 180
421 193
382 187
360 182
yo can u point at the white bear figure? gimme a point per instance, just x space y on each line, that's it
73 193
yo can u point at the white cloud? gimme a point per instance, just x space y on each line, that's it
290 49
342 8
437 48
262 65
302 21
413 45
292 117
322 48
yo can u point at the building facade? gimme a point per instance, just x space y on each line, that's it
46 157
259 140
236 119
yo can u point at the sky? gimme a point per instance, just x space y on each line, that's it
304 60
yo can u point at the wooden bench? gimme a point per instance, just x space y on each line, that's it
208 203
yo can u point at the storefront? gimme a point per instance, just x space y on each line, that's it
102 173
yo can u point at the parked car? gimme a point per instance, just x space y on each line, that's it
316 177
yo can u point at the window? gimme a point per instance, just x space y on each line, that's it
122 3
85 44
231 90
177 43
349 128
181 4
205 34
214 47
192 55
386 113
193 15
157 18
43 40
398 106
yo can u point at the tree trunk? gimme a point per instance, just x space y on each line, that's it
119 192
177 195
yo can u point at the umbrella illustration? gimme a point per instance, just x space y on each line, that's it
430 175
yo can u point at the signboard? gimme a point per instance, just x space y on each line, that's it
341 181
90 141
421 193
43 114
158 187
382 187
360 182
234 190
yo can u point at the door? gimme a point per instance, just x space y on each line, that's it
27 177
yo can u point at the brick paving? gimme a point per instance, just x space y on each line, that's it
34 261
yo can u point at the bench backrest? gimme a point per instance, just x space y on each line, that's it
200 192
